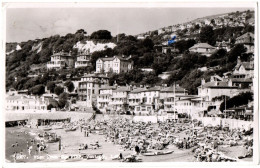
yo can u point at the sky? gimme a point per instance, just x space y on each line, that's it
24 24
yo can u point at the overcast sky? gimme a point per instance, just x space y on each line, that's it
29 24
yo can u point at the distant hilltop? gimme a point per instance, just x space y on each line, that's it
201 20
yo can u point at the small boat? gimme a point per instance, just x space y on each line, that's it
91 156
71 129
58 127
53 140
149 154
165 152
47 129
73 158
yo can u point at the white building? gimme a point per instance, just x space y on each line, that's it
244 69
89 87
60 60
26 103
203 49
247 40
104 98
119 99
144 100
116 64
83 60
216 88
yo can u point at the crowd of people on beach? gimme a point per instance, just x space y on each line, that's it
146 138
203 141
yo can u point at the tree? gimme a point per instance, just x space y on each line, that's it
197 27
184 45
207 35
236 51
236 101
58 90
38 90
101 34
148 43
81 31
50 106
51 86
69 85
219 54
63 100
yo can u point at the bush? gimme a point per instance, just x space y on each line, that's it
58 90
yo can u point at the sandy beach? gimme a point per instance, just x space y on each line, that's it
71 142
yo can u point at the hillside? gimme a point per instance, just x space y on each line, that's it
184 68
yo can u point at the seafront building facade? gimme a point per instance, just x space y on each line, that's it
89 87
26 103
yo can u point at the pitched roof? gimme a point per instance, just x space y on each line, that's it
138 90
217 84
246 65
122 89
95 75
121 58
107 59
14 97
107 87
241 80
247 38
62 54
202 45
156 88
170 89
248 34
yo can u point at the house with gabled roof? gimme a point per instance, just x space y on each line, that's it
247 40
61 60
215 88
203 49
116 64
243 69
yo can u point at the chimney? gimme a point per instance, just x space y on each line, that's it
229 82
238 60
203 81
212 79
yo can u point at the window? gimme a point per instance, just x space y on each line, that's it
93 91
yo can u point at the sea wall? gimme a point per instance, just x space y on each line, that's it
232 123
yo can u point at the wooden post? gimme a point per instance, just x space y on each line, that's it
59 142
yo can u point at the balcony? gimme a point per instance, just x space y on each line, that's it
55 64
79 64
